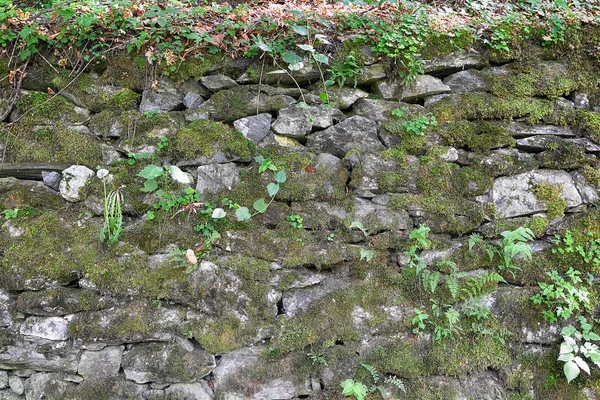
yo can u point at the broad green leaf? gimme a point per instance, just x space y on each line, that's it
218 213
323 97
302 105
242 214
322 38
291 57
280 177
300 30
582 364
366 254
264 47
260 205
259 159
272 188
566 357
571 370
151 172
150 185
322 58
307 47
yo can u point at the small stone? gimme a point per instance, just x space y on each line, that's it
213 178
387 89
450 156
423 86
16 385
358 133
254 127
52 180
183 178
74 179
165 97
101 364
187 391
214 83
581 101
467 81
3 379
192 100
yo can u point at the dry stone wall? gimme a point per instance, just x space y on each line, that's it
273 311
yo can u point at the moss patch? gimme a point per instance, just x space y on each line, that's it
552 196
475 136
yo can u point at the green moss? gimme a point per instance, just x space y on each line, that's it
478 106
125 70
591 175
441 43
552 196
475 136
204 138
588 122
538 225
231 103
191 68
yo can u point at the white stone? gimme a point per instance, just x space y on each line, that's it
74 179
181 177
16 384
52 328
101 364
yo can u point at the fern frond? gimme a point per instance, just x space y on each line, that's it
396 382
373 371
452 284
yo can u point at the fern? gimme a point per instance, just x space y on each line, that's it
474 239
373 371
396 382
452 285
431 280
478 286
379 382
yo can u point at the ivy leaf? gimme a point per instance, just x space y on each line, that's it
242 214
300 30
296 67
218 213
307 47
280 177
151 172
366 254
260 205
571 371
322 58
150 185
272 188
290 57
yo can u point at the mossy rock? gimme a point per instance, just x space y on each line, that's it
61 301
204 142
31 195
483 106
126 71
475 136
142 133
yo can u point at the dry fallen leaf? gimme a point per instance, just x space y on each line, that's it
190 256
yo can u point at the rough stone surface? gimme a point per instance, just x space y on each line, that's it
214 83
100 364
254 127
424 85
165 97
74 179
454 61
45 386
298 122
214 178
53 328
388 89
166 362
355 133
52 180
520 129
467 81
187 391
3 380
16 385
513 195
192 100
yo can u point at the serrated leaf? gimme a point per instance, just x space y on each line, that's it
566 348
272 188
322 58
571 370
300 30
582 364
280 177
307 47
151 172
290 57
242 214
218 213
260 205
150 185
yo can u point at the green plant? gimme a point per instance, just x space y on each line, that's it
10 213
418 321
562 297
113 214
352 388
419 125
589 252
571 347
317 358
330 237
366 255
295 221
347 68
184 259
359 225
381 383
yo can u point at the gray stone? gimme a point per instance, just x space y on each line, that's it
3 380
467 81
254 127
506 162
387 89
52 180
377 110
183 178
537 144
214 83
7 307
52 328
580 101
100 364
344 97
46 386
423 86
588 192
108 124
355 133
297 300
166 362
233 364
16 385
480 386
214 178
513 195
434 99
164 97
187 391
39 355
376 218
519 130
59 301
74 179
457 60
192 100
589 146
371 74
366 183
297 122
451 155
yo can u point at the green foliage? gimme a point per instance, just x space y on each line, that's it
10 213
356 389
184 259
514 245
379 384
562 297
295 221
366 255
416 126
590 252
572 345
113 214
359 225
347 68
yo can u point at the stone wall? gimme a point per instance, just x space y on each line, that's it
514 144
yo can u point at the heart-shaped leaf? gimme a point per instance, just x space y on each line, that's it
242 214
260 205
218 213
272 188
